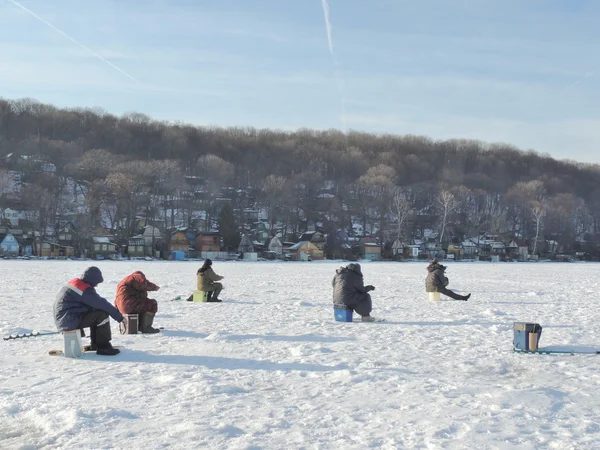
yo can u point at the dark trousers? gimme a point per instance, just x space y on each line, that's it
216 289
364 306
99 323
448 293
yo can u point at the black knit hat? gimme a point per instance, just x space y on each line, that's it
92 276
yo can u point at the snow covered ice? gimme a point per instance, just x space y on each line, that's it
270 368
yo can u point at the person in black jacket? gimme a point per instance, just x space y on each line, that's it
349 290
437 281
79 306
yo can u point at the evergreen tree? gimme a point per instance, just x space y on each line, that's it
228 228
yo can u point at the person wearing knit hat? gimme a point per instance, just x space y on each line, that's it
208 281
437 281
79 306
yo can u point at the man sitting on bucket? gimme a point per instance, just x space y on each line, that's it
349 290
79 306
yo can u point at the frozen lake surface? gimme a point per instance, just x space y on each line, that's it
269 368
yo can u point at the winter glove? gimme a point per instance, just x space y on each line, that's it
369 288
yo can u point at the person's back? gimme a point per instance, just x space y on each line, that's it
436 281
347 285
132 298
208 281
79 306
349 290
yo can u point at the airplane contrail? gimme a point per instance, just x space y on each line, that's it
338 76
328 27
28 11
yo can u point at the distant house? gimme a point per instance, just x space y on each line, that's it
518 249
179 242
372 251
304 250
275 246
136 247
260 232
454 251
103 248
273 249
497 249
103 245
152 235
246 245
208 242
434 248
315 237
12 215
26 246
397 248
66 234
49 249
412 251
469 248
9 245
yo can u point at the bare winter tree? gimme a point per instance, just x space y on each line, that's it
273 193
520 199
5 187
217 172
447 204
379 180
401 209
93 165
538 210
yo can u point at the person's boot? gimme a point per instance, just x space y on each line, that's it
368 319
146 320
107 350
466 297
212 297
190 298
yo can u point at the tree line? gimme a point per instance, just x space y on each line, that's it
392 186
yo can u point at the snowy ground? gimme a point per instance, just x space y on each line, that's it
270 368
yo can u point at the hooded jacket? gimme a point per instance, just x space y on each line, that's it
132 294
349 288
436 279
79 297
207 279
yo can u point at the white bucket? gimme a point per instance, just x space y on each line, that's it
72 347
434 296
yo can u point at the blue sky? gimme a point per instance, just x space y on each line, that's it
515 71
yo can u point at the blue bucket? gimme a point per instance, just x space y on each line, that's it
342 313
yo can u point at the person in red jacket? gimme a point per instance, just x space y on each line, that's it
132 298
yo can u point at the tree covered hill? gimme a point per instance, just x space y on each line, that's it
395 186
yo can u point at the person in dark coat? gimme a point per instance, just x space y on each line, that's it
132 298
437 281
79 306
349 290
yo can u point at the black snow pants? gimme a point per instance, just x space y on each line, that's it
99 323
